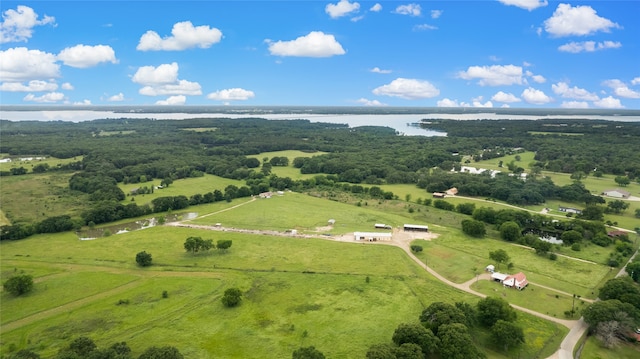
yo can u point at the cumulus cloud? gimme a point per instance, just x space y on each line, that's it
21 64
163 81
46 98
536 78
163 74
83 56
580 20
17 25
589 46
315 44
496 75
380 71
66 86
409 89
173 100
535 97
31 86
563 90
574 104
341 8
608 102
436 14
116 98
525 4
366 102
233 94
423 27
635 81
621 89
505 97
409 9
445 102
477 102
183 36
84 102
376 8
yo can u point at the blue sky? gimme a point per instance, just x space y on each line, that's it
502 53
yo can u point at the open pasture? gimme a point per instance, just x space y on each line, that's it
28 162
33 197
287 171
185 187
304 213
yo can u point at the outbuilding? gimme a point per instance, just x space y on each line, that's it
616 193
416 228
371 236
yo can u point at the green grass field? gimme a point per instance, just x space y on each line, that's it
288 171
297 291
28 164
594 350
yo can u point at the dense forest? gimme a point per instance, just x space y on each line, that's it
141 150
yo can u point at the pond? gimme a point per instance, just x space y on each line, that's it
94 233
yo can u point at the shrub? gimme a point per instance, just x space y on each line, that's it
232 297
143 259
19 284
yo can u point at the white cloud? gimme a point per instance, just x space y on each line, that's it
341 8
182 87
83 56
163 74
84 102
376 8
536 97
233 94
495 75
46 98
380 71
574 104
445 102
423 27
494 58
66 86
116 98
184 36
635 81
357 18
409 9
436 14
525 4
315 44
21 64
173 100
410 89
17 25
31 86
621 89
580 20
477 103
163 80
536 78
563 89
589 46
505 97
366 102
608 102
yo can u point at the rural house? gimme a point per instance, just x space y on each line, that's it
616 193
518 281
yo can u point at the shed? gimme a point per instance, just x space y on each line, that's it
371 236
416 228
490 268
498 277
331 222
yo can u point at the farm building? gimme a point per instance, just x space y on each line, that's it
498 277
438 195
569 210
5 160
452 191
616 193
490 268
518 281
265 195
416 228
371 236
381 226
331 222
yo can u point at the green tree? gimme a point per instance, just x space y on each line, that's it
143 259
19 284
439 313
466 208
197 244
24 354
417 334
609 310
165 352
500 256
592 212
307 353
633 269
617 206
492 309
456 343
473 227
510 231
81 347
224 244
382 351
232 297
621 288
408 351
570 237
622 180
507 334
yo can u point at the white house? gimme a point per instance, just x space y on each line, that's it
371 236
518 281
616 193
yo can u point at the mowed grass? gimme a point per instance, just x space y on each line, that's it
455 256
185 187
594 350
540 299
53 162
33 197
304 213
